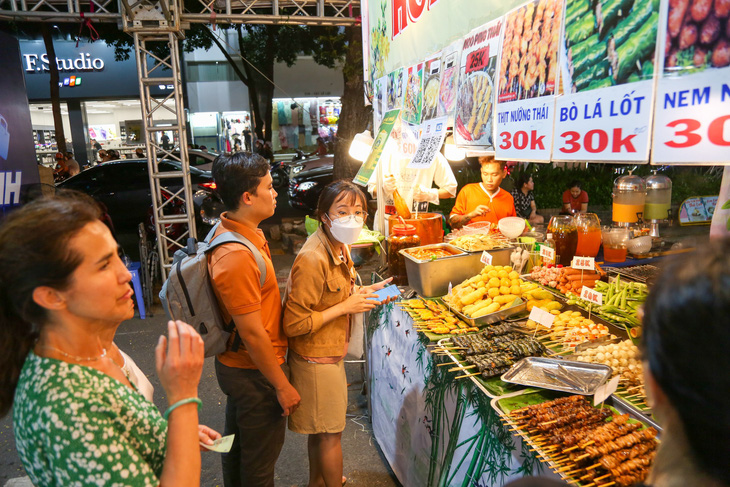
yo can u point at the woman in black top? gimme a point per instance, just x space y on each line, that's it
525 200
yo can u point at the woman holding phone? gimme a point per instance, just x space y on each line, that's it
321 295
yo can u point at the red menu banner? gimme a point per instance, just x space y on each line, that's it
693 92
474 116
528 77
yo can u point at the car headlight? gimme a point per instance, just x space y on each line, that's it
307 185
296 169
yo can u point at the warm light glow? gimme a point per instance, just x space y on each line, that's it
361 145
451 151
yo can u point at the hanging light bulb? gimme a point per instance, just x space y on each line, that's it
360 146
451 151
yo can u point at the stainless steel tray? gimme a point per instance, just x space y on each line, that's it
431 278
490 318
407 253
558 375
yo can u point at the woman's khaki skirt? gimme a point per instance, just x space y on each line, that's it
323 389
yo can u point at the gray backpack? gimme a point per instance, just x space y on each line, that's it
187 294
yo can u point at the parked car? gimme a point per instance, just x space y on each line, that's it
306 185
200 159
307 163
124 188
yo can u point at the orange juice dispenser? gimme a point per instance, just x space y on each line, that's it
629 196
658 206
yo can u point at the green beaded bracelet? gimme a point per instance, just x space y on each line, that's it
181 403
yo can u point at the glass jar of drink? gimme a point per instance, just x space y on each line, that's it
565 236
589 234
402 236
615 240
658 197
629 196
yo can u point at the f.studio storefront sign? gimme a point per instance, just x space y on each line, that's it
88 71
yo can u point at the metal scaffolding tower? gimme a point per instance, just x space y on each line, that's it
153 23
294 12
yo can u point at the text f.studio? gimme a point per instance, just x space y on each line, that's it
81 63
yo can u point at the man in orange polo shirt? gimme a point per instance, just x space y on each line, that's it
485 201
252 371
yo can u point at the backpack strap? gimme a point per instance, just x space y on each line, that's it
235 237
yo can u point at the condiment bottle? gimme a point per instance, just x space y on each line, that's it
402 236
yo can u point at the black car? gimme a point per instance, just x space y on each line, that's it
124 188
200 159
305 186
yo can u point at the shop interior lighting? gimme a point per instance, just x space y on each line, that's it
360 146
452 152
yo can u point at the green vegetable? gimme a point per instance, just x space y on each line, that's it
592 57
581 48
580 29
597 72
633 22
635 48
609 12
647 69
600 83
575 9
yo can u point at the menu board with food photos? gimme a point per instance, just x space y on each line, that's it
474 115
693 92
528 79
607 66
413 100
431 84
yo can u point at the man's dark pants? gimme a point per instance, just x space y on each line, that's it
253 414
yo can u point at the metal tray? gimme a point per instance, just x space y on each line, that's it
490 318
431 278
454 251
622 407
503 405
627 272
558 375
496 253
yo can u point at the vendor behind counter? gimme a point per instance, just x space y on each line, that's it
414 185
484 201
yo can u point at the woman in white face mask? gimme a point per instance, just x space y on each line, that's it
320 297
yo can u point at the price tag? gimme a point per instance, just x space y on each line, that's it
591 295
486 258
605 390
547 253
545 318
584 263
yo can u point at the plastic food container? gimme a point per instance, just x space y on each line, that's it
511 226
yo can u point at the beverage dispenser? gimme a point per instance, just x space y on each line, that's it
629 196
658 206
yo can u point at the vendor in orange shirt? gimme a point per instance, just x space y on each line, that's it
485 201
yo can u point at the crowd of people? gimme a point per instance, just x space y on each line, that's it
81 407
83 411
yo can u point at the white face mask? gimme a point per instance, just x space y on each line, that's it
346 229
